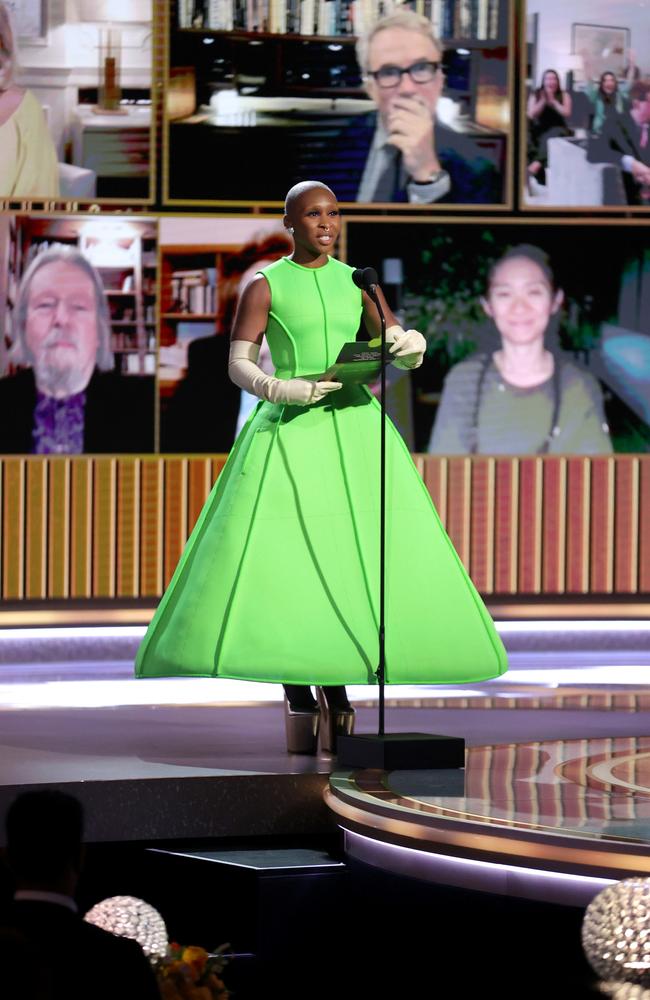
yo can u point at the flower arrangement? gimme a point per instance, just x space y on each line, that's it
192 973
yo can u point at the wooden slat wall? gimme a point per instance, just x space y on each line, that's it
626 528
531 474
482 523
128 529
115 527
644 526
578 525
553 527
152 509
603 506
13 528
506 507
81 493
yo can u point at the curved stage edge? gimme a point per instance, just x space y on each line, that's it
552 821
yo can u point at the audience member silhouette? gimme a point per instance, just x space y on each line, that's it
23 974
69 959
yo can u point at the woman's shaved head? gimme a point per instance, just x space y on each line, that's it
298 190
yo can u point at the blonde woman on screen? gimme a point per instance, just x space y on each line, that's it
28 162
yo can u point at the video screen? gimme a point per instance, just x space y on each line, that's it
527 353
75 100
77 334
205 264
587 104
386 103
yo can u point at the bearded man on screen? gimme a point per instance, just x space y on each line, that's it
67 399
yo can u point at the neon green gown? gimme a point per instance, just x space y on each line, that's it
279 580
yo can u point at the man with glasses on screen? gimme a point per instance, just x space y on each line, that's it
412 157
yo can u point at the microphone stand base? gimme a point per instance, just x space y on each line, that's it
401 751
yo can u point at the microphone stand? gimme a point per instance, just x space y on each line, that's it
381 666
394 751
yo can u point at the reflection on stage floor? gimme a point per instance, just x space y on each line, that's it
554 820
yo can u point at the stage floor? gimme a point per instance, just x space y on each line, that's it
557 781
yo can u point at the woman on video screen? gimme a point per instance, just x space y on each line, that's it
548 109
28 162
609 96
522 398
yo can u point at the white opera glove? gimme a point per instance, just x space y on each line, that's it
406 346
245 373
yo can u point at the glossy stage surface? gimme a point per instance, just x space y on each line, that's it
544 819
553 804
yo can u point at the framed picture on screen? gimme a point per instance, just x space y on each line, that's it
31 20
603 46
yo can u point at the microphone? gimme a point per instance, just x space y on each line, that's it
366 279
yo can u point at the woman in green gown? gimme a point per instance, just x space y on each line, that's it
279 580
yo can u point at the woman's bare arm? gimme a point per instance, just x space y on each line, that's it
535 106
252 311
564 106
371 316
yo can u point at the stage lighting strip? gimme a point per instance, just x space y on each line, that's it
467 873
516 617
88 622
365 806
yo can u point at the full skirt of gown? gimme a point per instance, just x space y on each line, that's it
279 580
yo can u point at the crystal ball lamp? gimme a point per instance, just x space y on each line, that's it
616 932
129 917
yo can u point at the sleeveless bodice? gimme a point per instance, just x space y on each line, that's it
304 336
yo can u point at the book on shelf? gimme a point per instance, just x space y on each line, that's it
186 14
221 15
493 18
194 290
278 17
436 15
307 10
323 20
482 20
133 364
463 19
293 16
122 341
357 17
